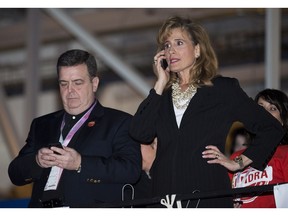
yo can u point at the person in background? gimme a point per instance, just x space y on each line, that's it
81 155
143 187
241 139
148 156
190 109
276 171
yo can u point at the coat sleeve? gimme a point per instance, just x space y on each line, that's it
24 168
144 122
268 131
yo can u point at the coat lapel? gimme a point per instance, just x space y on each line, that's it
52 130
196 104
88 126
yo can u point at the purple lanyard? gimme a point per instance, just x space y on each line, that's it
76 127
70 135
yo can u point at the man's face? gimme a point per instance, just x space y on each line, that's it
76 88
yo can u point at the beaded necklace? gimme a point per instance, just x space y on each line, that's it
179 97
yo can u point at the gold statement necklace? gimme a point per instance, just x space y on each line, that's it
182 99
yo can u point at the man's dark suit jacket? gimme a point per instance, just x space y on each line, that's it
110 158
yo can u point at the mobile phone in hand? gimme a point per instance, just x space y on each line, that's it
56 144
164 64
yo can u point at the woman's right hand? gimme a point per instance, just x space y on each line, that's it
162 75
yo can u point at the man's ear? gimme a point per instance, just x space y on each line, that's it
95 83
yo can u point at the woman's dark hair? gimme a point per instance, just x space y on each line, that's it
280 100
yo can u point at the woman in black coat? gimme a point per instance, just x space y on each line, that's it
190 109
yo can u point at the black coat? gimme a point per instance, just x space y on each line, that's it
179 167
110 158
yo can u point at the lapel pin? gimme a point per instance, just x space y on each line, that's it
91 123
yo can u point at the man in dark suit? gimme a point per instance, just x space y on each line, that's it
95 158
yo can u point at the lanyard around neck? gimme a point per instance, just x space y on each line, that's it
76 127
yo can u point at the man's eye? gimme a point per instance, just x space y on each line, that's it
62 84
78 83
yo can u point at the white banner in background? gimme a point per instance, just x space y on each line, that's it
281 195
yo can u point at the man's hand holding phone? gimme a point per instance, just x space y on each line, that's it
57 144
44 158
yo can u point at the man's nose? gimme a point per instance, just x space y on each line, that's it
70 87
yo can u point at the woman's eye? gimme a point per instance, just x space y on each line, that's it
166 46
179 43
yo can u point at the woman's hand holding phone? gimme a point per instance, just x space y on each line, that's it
162 74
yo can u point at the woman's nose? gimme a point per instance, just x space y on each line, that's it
171 49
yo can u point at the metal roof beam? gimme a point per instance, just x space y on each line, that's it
91 42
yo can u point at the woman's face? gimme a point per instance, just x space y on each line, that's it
180 51
270 108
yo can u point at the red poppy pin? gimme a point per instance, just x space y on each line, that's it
91 124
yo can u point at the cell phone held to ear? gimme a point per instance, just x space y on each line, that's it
164 64
56 144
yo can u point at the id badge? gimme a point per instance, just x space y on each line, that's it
53 179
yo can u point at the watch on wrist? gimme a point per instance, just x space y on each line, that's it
239 160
